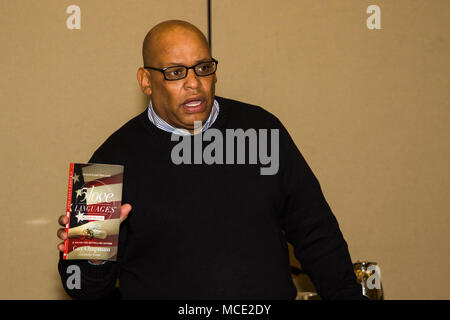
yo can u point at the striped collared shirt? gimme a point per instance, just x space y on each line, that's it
163 125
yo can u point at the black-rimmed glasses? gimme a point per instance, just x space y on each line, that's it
201 69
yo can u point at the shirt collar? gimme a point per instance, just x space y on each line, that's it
163 125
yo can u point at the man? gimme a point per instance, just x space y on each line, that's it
209 231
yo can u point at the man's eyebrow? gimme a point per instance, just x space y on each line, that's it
182 64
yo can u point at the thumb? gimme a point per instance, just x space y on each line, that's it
124 211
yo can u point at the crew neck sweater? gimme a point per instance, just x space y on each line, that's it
216 231
163 125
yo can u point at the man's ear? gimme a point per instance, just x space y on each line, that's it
143 77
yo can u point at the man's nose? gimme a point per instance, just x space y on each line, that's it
191 80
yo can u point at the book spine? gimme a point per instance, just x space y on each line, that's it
69 202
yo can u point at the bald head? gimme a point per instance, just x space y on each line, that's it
180 102
157 36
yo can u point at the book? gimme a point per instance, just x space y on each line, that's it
94 201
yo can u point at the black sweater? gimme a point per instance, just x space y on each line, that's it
199 231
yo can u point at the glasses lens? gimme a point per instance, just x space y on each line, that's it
174 73
206 68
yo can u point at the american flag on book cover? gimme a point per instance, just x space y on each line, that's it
93 207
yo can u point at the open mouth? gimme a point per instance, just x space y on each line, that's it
194 105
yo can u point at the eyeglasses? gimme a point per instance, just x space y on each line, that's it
201 69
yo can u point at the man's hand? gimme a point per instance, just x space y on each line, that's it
63 220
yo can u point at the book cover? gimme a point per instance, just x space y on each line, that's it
94 200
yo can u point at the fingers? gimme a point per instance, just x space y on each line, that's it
124 211
62 234
63 220
61 247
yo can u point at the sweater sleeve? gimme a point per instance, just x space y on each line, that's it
96 281
312 229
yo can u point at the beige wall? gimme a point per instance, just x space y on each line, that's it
368 109
63 93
